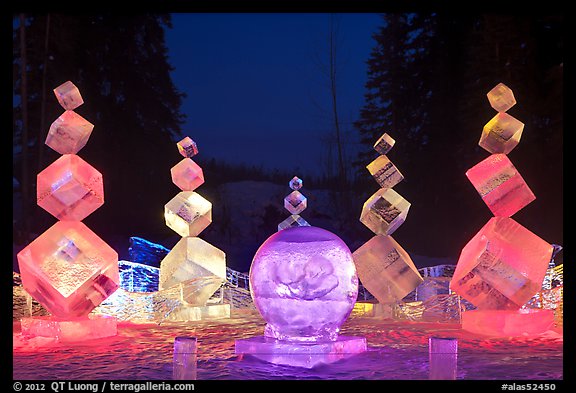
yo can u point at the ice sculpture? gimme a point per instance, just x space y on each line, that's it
504 264
304 284
69 269
193 269
384 267
295 203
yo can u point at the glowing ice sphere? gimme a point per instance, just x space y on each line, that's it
68 96
384 211
69 133
384 144
501 97
69 269
304 284
501 134
385 269
187 175
293 221
500 185
188 213
385 172
198 264
295 203
502 267
89 327
187 147
70 189
508 323
295 183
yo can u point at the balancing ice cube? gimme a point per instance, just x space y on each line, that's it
385 269
187 147
69 269
384 211
500 185
70 189
501 134
384 144
295 183
69 133
385 172
188 213
501 97
68 96
187 175
293 221
194 261
295 203
502 267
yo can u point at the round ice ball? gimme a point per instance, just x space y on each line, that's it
304 284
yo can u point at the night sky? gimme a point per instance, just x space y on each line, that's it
257 85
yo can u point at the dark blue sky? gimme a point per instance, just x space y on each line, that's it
257 85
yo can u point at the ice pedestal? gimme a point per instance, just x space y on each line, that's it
185 358
69 330
443 358
508 323
295 354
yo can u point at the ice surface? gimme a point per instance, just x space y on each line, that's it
295 183
384 211
69 330
295 202
70 189
500 185
508 323
137 277
188 213
69 133
501 134
293 221
187 175
384 144
502 267
187 147
68 96
384 172
304 284
386 269
307 355
69 269
501 97
185 358
198 263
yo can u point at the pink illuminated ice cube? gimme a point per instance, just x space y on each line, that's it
69 269
68 96
187 147
502 267
501 97
295 202
69 133
187 175
500 185
70 188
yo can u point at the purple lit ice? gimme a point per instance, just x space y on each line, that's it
304 284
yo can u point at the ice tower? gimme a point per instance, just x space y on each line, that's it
295 203
69 269
504 264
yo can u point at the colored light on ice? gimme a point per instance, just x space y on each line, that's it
385 172
384 144
502 267
187 175
385 269
295 202
508 323
293 221
70 189
187 147
69 269
69 330
185 358
295 183
501 97
500 185
68 96
443 358
384 211
69 133
501 134
304 284
188 213
198 264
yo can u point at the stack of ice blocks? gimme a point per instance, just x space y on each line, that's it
295 203
384 267
69 269
504 264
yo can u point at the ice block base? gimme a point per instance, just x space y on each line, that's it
71 330
508 323
198 313
307 355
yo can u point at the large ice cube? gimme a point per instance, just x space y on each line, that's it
500 185
69 133
502 267
386 269
501 97
501 134
384 172
187 175
188 213
68 96
384 211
